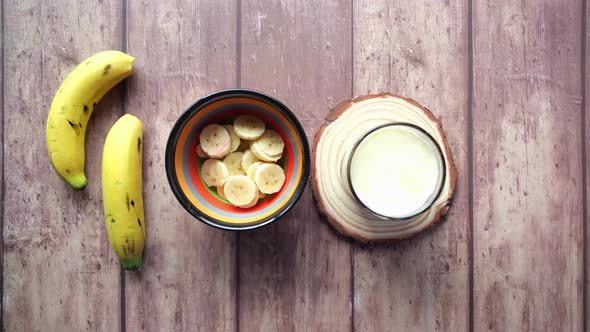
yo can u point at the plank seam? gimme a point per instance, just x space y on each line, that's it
239 43
352 304
352 48
239 85
3 185
122 280
352 328
584 28
123 324
237 282
470 102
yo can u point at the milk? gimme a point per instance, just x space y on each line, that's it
396 171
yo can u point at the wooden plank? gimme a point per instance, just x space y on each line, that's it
420 51
2 191
59 272
184 50
295 275
586 130
527 166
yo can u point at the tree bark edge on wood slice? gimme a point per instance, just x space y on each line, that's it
365 219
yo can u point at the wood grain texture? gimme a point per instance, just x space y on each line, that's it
185 50
295 274
59 272
527 166
419 51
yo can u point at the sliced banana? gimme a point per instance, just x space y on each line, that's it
227 151
247 172
251 204
270 143
248 127
215 141
233 161
252 169
240 190
264 156
235 139
200 152
248 159
269 178
214 172
220 192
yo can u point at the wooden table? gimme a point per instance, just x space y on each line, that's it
508 78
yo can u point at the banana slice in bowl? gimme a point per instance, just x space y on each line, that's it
269 178
215 141
248 158
240 190
235 139
249 127
214 172
233 161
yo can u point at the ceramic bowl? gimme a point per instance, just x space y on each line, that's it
183 164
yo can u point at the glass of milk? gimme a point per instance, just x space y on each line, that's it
396 171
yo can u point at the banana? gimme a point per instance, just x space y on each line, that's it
200 152
214 172
262 155
215 141
122 190
248 127
233 161
71 109
242 178
251 204
235 139
248 159
270 143
269 178
252 169
240 190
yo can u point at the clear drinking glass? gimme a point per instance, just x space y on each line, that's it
436 181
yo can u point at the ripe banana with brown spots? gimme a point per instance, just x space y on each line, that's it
72 107
122 190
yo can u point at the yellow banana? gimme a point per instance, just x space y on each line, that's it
71 109
122 190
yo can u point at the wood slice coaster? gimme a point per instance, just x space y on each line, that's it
346 123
